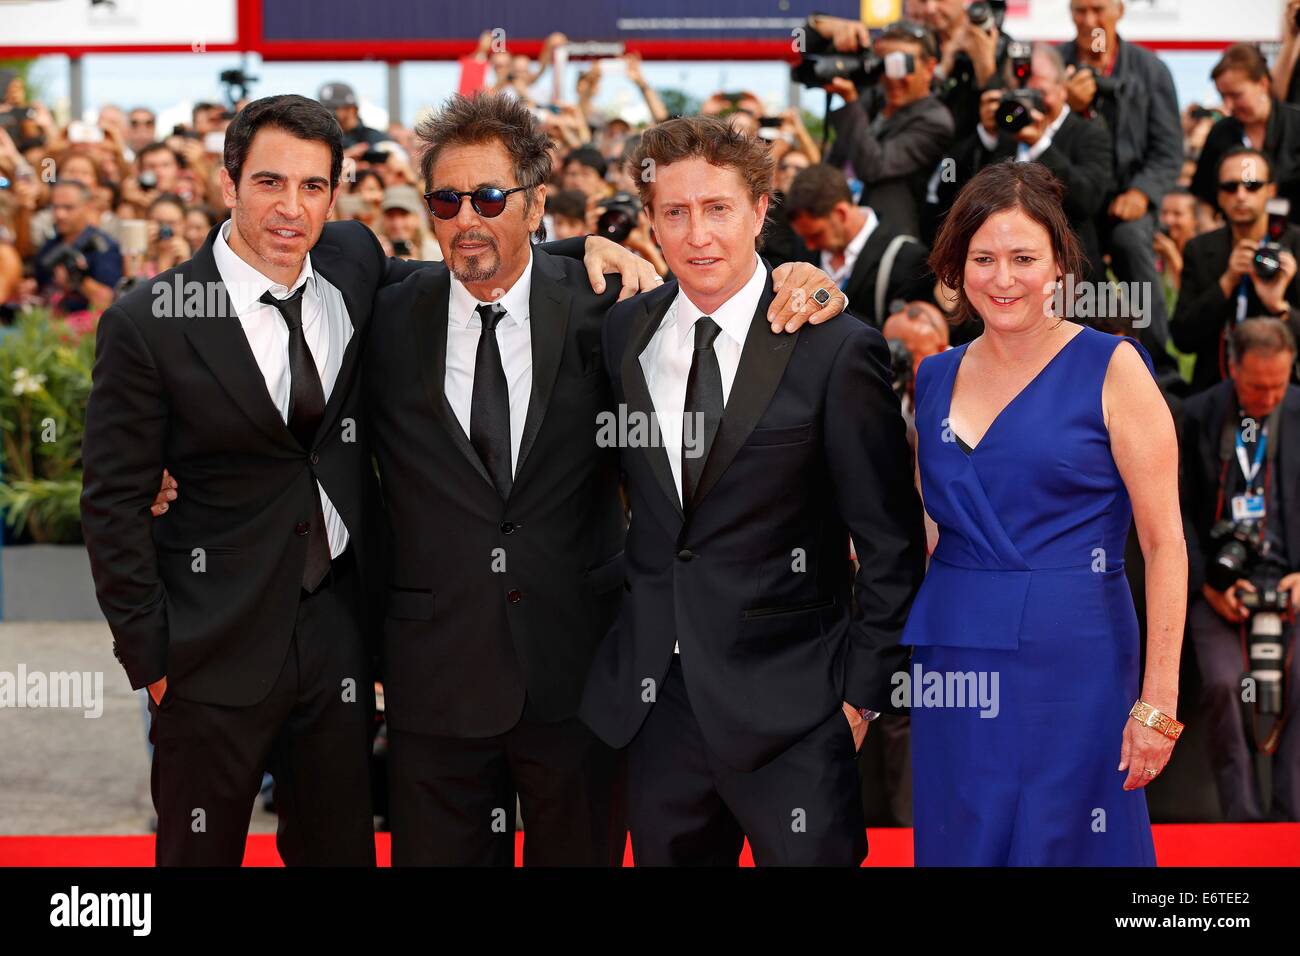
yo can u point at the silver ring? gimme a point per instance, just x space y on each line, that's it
822 296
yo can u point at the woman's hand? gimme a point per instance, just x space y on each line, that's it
1144 749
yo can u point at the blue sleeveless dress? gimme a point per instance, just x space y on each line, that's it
1025 660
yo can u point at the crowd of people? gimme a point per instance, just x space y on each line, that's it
1187 220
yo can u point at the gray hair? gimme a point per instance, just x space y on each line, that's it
1053 56
1267 336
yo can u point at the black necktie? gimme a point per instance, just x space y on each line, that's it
703 411
489 415
306 409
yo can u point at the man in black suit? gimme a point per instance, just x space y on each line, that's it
872 262
1221 285
741 670
1241 440
1078 152
242 610
485 392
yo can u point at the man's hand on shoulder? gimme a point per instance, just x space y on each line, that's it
603 256
804 293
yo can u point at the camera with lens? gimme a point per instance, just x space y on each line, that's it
1107 86
236 83
816 70
619 217
72 256
1014 110
987 14
148 180
1240 555
1268 257
165 233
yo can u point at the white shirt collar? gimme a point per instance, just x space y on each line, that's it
734 316
462 305
245 285
853 249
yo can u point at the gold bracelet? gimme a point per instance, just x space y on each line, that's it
1148 716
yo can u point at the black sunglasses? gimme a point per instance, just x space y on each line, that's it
488 201
1252 185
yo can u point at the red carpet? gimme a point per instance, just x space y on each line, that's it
1180 844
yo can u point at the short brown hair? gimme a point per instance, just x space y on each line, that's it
1266 335
709 138
817 190
1243 57
1029 187
487 118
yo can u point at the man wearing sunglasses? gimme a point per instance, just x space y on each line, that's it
242 611
485 389
1221 284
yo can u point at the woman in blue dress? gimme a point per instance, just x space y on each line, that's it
1038 443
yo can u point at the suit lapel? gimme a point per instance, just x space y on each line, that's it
548 319
359 316
861 286
654 306
430 318
762 364
220 341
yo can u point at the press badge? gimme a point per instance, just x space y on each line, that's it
1247 507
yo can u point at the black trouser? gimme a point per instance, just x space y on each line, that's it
688 808
452 799
311 731
1222 665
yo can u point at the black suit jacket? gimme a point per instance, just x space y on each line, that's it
1081 157
910 278
184 391
1202 467
1204 314
754 577
895 165
491 599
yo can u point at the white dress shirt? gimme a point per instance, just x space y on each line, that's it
325 325
852 250
515 341
666 360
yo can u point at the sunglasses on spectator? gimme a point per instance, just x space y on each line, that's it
488 201
1252 185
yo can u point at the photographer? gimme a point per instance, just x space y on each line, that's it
893 132
357 137
167 244
871 262
404 225
1241 466
1178 226
78 268
1286 78
1131 88
1225 279
1039 126
1256 117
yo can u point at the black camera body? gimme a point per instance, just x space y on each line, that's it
1268 257
816 70
987 14
619 218
1014 109
1107 86
72 256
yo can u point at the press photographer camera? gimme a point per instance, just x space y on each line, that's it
78 267
1018 104
893 133
1247 268
619 217
1240 447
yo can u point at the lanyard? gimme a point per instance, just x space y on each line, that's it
1241 299
1249 471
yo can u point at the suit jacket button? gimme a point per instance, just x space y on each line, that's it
515 596
302 527
685 554
315 458
508 527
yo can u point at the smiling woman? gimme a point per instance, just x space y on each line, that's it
1067 442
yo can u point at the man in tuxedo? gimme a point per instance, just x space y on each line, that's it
1078 152
743 667
485 389
872 263
242 610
